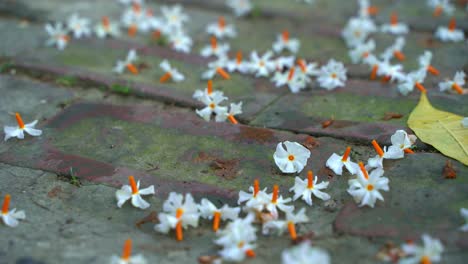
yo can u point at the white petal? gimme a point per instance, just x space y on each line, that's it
137 201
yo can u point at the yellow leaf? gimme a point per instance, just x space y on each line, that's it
441 129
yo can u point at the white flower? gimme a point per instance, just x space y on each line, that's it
464 214
136 18
283 42
10 217
332 75
208 91
238 239
291 159
133 192
57 36
411 80
365 188
394 27
240 7
307 188
18 131
235 109
238 64
128 2
430 252
178 214
216 67
261 66
395 50
401 143
456 84
450 33
441 6
209 211
305 254
79 26
289 224
212 106
277 202
220 29
126 257
361 51
309 69
392 72
336 163
215 49
255 200
377 161
128 63
170 73
357 30
107 28
296 80
425 63
180 41
174 16
284 62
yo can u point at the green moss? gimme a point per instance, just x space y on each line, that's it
121 89
66 80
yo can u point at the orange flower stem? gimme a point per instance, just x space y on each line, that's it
274 197
452 24
372 10
420 87
105 21
250 253
399 55
377 148
432 70
223 73
310 179
233 120
133 184
363 170
373 75
437 11
408 151
132 68
302 65
256 187
457 88
285 36
19 120
6 204
210 87
291 73
346 154
127 249
132 30
179 232
165 77
239 57
292 231
221 22
214 43
216 220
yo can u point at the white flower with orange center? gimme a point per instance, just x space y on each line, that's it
215 49
308 68
212 106
181 42
128 64
107 28
170 73
209 211
411 80
255 199
401 144
178 213
430 252
280 226
395 50
357 30
361 51
220 29
18 131
217 68
238 64
425 63
240 7
395 27
261 66
58 36
284 42
174 16
441 6
365 188
126 257
304 253
450 33
79 26
296 80
133 192
390 72
238 239
277 202
291 157
135 19
208 91
332 75
455 85
336 163
377 161
309 187
10 217
234 109
464 214
374 64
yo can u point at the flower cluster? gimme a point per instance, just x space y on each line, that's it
357 34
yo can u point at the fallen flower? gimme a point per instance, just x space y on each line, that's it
255 199
174 16
261 66
240 7
212 106
170 73
220 29
305 253
411 80
18 132
454 85
395 27
365 188
134 193
79 26
107 28
237 239
127 257
291 157
277 202
441 6
10 217
180 41
307 188
450 33
127 64
215 49
332 75
401 144
288 224
336 163
238 64
430 252
209 211
395 50
217 68
57 36
235 109
283 42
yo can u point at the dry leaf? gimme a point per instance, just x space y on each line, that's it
392 115
442 130
449 172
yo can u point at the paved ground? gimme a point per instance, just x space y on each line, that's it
105 127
